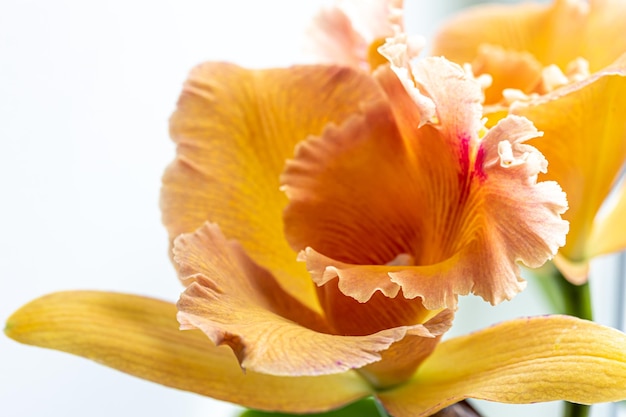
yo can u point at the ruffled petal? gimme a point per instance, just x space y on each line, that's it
521 361
380 188
554 34
585 143
140 336
234 128
237 303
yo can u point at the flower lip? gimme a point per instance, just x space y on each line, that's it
237 303
463 201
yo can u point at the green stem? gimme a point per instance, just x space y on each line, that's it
576 298
576 302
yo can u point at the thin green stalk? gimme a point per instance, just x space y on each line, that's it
576 301
576 298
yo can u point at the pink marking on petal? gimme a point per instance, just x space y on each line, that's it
479 164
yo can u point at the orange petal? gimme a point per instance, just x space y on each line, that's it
401 360
554 34
439 196
237 303
234 128
585 143
508 69
520 361
140 336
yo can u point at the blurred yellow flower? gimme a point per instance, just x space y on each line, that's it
561 66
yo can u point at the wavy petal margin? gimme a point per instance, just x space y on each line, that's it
520 361
438 208
239 304
140 336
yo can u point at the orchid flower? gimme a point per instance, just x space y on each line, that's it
333 276
561 66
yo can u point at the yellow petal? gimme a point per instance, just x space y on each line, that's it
140 336
585 143
234 128
521 361
460 209
609 231
237 303
508 69
554 34
513 27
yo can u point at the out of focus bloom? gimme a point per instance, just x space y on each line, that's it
350 32
561 66
324 221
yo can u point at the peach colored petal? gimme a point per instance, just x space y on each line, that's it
520 361
233 129
585 142
554 34
458 209
333 39
349 32
140 336
237 303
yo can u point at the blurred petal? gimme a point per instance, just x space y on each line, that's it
514 27
332 39
140 336
554 34
520 361
458 210
508 69
234 128
349 32
609 231
237 303
585 143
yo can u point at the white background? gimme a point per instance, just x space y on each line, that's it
86 89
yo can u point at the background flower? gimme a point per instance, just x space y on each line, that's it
585 139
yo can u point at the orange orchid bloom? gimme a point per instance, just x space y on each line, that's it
540 58
397 200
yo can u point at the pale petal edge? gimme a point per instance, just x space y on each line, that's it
609 230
